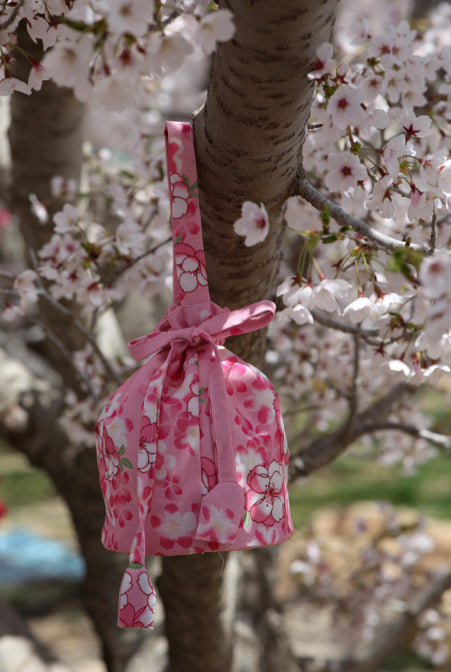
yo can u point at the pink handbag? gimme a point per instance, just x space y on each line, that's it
191 448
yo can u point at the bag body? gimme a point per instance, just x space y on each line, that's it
191 448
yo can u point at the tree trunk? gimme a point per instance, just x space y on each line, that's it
74 473
249 138
46 138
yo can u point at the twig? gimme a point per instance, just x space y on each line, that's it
319 201
68 355
11 18
433 238
76 322
339 326
135 261
354 397
79 326
433 437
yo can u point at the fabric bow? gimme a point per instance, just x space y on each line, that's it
226 496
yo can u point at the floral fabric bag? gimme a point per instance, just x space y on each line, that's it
191 448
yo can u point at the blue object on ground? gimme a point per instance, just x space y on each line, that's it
26 557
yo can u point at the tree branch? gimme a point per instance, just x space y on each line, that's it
433 437
326 321
393 633
433 237
319 201
12 17
325 449
79 326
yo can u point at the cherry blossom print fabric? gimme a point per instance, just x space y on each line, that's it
191 449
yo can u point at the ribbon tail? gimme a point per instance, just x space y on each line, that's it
221 513
136 599
222 508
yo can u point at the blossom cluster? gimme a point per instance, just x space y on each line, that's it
379 144
111 52
366 567
109 243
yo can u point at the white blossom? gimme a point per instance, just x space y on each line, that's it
344 170
253 223
215 27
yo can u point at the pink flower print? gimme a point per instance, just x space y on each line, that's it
267 536
195 399
190 268
120 499
264 499
164 461
208 474
186 435
110 456
180 195
137 590
218 524
239 377
249 456
177 527
263 400
147 444
173 489
125 587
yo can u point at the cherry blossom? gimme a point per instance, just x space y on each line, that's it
167 52
130 16
253 223
345 107
435 274
66 220
392 152
215 27
68 65
324 63
327 295
344 171
26 288
415 127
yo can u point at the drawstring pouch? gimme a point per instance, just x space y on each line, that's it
191 448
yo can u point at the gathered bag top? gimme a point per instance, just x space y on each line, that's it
191 448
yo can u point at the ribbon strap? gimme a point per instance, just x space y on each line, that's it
189 274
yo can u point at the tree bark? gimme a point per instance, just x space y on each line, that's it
46 139
74 473
249 138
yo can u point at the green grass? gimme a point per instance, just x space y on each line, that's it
22 484
350 479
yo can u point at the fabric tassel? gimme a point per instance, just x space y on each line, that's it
136 599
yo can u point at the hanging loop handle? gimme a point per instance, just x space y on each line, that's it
190 283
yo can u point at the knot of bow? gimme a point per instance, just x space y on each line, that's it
214 328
